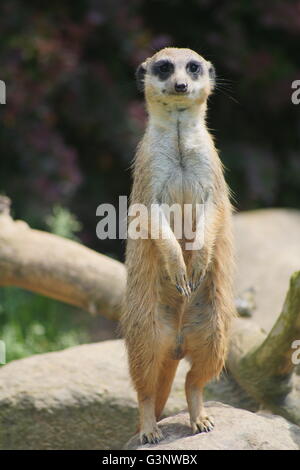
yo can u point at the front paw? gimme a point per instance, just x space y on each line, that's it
182 284
197 277
178 277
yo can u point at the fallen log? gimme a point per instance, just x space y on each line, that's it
263 365
59 268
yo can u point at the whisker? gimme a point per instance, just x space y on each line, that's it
224 82
227 94
225 79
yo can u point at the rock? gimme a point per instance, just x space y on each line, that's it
235 429
79 398
267 253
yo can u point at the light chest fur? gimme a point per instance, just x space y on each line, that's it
180 159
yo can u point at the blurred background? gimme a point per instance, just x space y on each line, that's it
73 117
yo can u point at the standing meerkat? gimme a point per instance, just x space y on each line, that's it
179 301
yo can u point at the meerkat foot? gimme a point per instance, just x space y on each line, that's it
202 424
152 436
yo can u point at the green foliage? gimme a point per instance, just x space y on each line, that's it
32 324
63 223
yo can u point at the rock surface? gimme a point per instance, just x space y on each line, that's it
235 429
267 253
79 398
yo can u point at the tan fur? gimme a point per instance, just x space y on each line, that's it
177 162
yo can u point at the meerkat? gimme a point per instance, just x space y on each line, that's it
179 301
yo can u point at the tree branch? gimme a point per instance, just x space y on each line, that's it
262 365
59 268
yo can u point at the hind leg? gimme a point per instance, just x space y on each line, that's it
149 431
210 312
164 384
146 387
144 363
200 421
206 352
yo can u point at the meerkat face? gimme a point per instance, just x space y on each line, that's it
178 76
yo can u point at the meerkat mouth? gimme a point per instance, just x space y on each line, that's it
181 94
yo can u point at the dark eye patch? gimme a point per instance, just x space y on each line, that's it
194 68
163 69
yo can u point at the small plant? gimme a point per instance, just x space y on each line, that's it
33 324
63 223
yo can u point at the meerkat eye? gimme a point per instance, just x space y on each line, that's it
194 67
163 69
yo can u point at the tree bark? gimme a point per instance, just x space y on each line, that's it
263 365
59 268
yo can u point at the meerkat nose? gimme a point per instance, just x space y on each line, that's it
180 87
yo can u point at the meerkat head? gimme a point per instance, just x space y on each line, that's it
179 76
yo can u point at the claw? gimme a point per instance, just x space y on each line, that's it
180 290
196 283
204 425
152 437
187 290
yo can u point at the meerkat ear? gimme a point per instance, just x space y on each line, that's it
212 74
140 75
